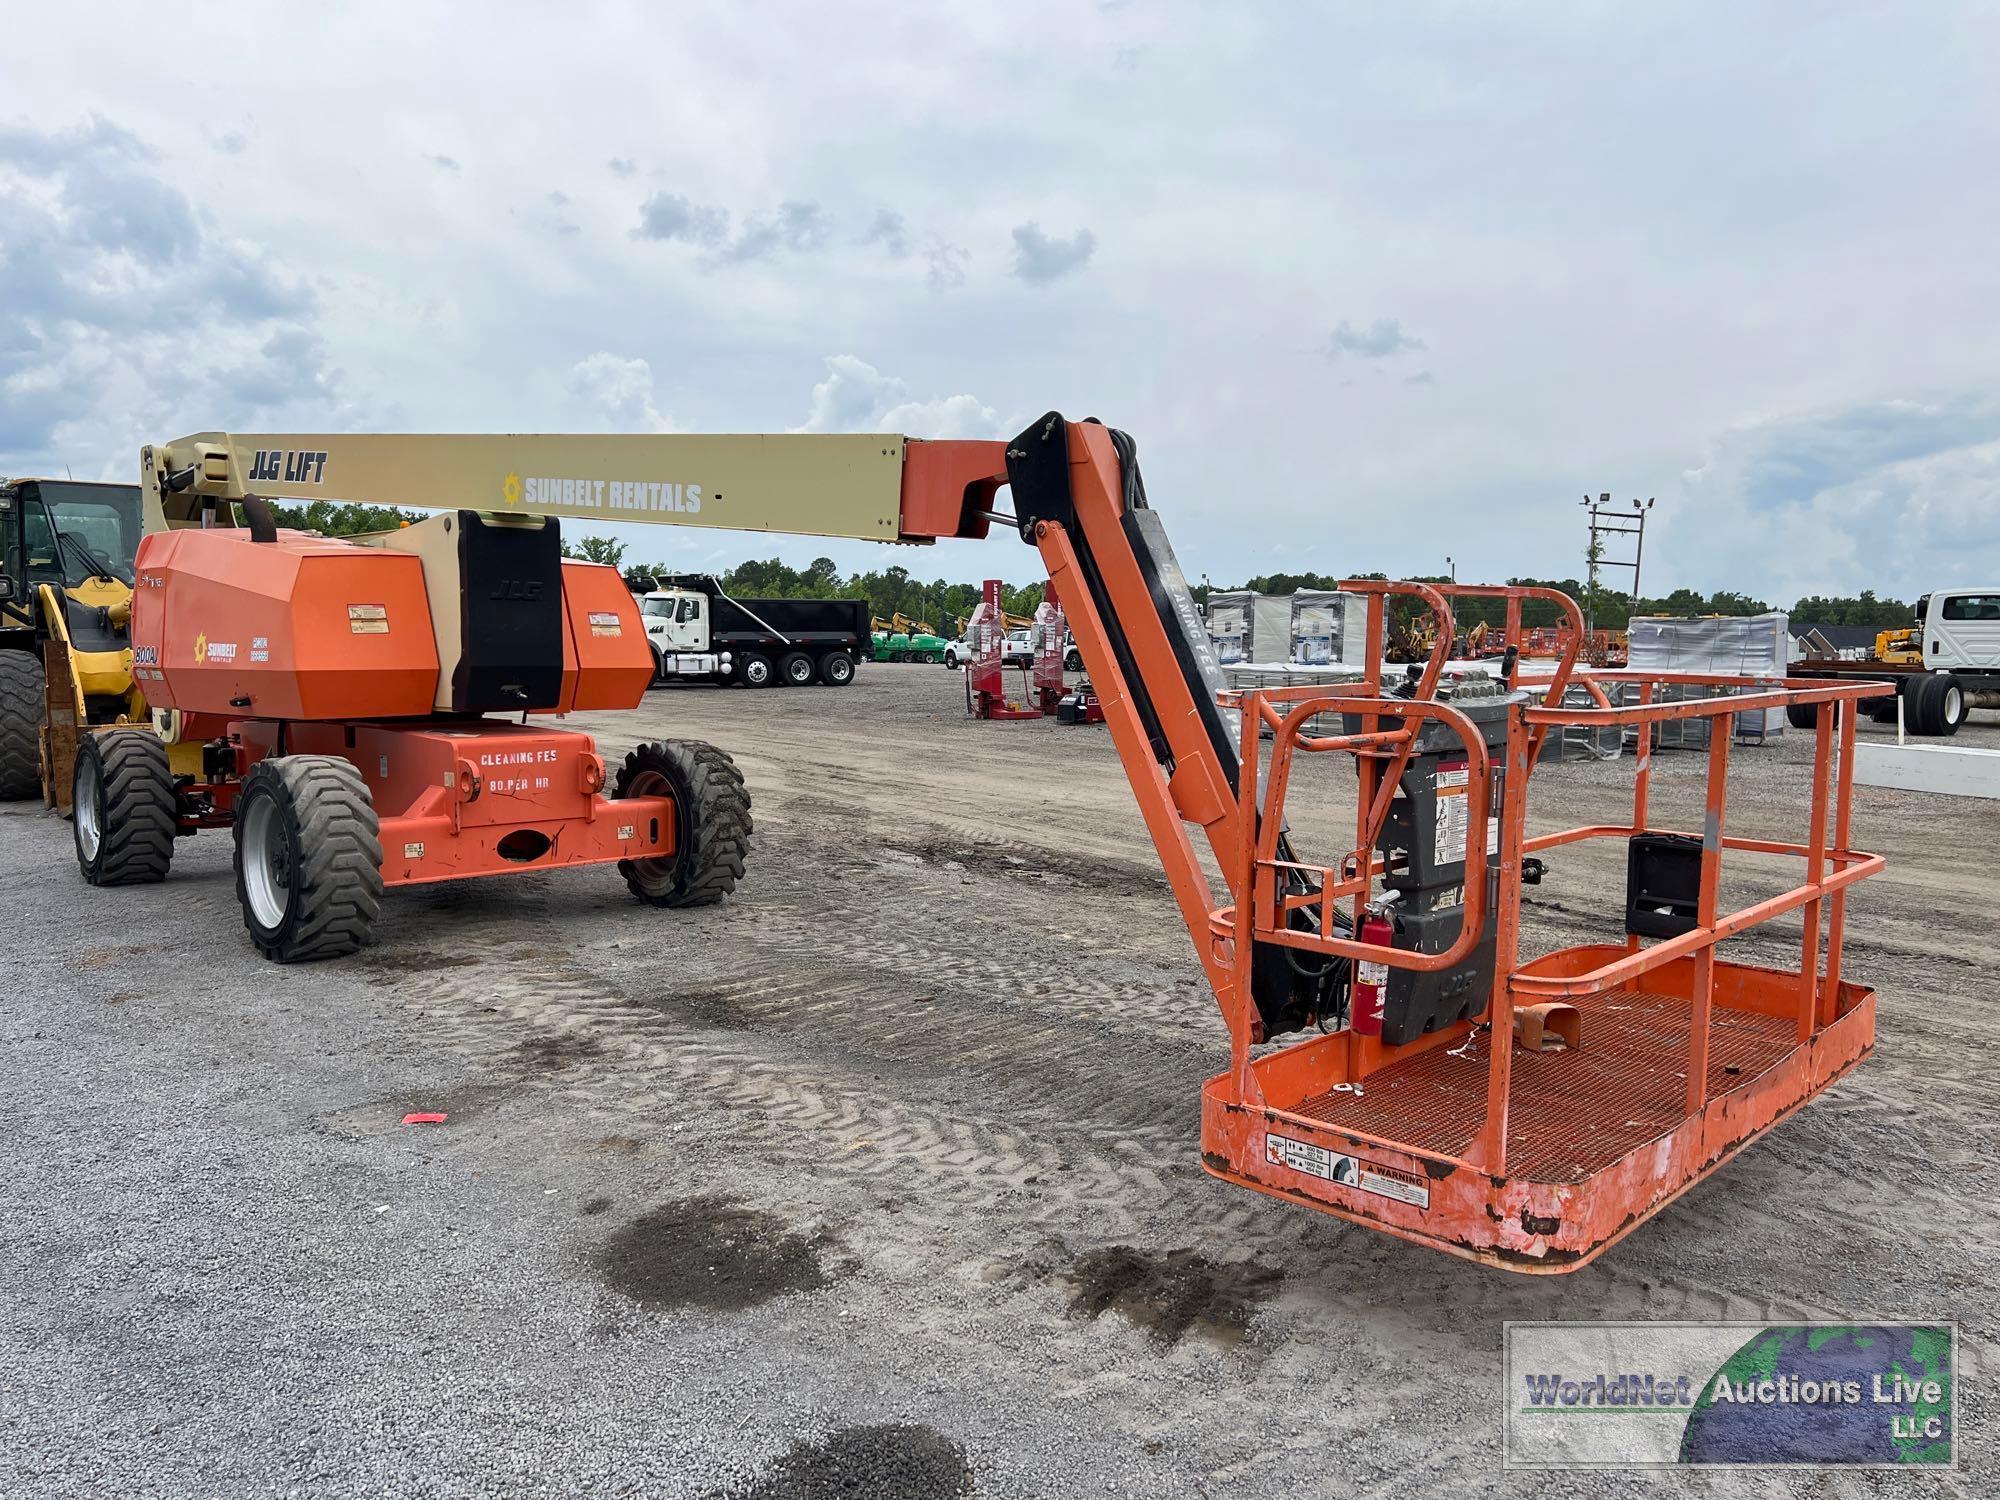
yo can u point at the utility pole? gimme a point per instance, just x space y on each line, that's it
1604 521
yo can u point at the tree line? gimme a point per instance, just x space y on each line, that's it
943 604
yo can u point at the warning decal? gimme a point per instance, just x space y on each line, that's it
1454 782
368 619
605 622
1349 1171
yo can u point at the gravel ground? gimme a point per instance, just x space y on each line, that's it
879 1179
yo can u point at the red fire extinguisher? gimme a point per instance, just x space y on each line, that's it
1371 977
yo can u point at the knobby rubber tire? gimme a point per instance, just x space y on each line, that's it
136 813
20 724
326 817
712 833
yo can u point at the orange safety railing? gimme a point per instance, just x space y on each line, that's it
1268 894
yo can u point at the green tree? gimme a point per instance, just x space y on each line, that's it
1866 609
336 518
597 549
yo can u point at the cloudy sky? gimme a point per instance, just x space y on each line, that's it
1370 284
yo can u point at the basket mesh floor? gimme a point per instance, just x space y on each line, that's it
1572 1113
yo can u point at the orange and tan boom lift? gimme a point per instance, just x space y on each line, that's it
340 703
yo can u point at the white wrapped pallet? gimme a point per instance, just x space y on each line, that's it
1732 645
1243 626
1328 627
1229 624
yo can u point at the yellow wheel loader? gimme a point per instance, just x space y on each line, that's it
66 551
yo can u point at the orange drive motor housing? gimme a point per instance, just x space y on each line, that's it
607 661
298 628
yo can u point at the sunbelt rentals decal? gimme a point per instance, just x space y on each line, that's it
609 495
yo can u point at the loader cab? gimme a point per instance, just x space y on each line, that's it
676 620
78 538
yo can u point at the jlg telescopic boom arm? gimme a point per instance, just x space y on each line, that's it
1076 494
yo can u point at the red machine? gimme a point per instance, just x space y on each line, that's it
1051 629
343 690
986 674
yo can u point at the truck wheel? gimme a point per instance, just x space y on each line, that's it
659 671
1929 716
796 669
931 658
753 670
836 669
951 658
20 724
1073 660
1956 708
1802 715
126 812
712 834
308 858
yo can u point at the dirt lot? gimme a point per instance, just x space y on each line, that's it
880 1179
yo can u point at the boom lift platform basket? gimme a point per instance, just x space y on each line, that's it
1530 1160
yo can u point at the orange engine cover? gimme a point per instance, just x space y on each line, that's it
299 628
607 661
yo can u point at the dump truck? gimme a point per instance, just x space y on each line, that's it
700 633
1944 664
364 715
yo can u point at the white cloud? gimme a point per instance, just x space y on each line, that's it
1897 496
1384 340
670 216
125 317
619 391
857 397
1040 257
888 230
1610 283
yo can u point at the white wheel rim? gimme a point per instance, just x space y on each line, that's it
1954 703
757 671
267 884
659 872
89 792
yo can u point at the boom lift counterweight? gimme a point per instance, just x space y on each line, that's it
1409 1114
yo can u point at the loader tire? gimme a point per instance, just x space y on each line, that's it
712 834
308 858
126 813
20 724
